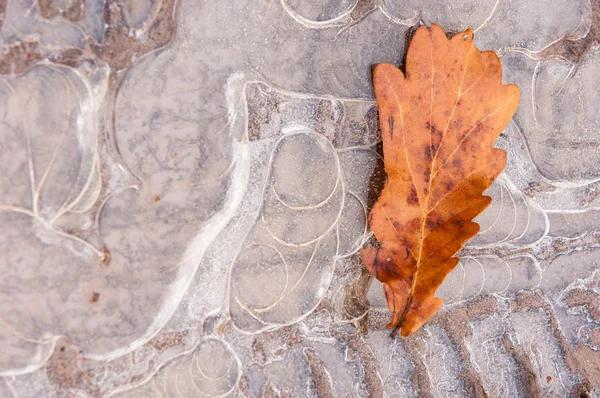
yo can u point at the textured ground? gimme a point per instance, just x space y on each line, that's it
184 188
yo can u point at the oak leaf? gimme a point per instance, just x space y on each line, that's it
438 123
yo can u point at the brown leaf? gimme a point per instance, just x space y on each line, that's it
438 125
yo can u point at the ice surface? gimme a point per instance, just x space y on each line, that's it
185 188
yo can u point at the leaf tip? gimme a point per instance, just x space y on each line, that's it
385 68
468 35
516 90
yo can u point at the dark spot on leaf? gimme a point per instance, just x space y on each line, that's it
412 198
433 222
376 261
391 126
436 137
428 154
430 224
427 175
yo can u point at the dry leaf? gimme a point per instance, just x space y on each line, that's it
438 125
